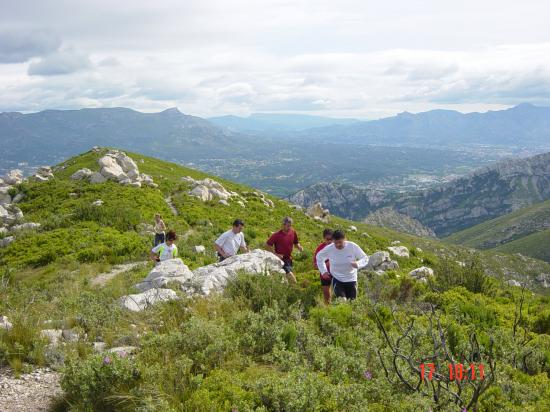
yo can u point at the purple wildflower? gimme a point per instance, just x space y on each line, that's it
106 360
367 375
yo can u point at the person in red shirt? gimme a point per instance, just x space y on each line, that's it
281 243
326 281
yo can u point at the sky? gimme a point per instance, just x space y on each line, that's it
346 58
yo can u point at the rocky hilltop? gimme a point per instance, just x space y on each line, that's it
485 194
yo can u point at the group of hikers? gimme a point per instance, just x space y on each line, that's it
336 258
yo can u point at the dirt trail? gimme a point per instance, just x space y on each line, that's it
168 201
32 392
103 278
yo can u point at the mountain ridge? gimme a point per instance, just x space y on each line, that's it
485 193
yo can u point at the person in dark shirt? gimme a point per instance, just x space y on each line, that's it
281 243
326 281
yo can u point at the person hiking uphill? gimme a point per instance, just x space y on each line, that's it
345 259
281 243
326 281
229 243
160 229
166 250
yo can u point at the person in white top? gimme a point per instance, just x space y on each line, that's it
166 250
229 243
345 259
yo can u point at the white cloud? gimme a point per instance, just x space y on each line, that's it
63 61
18 45
351 58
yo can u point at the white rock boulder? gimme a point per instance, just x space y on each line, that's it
214 277
400 251
5 197
317 212
422 273
13 177
171 270
199 249
353 228
141 301
82 174
6 241
110 169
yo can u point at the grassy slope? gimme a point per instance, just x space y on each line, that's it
535 245
228 342
516 229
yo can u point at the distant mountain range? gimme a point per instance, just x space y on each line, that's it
521 125
52 135
485 194
281 153
275 122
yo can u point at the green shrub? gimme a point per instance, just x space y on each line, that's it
96 382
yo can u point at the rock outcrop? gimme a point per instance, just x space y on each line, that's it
214 277
317 212
422 273
207 189
389 218
202 281
43 174
380 262
171 270
400 251
116 166
141 301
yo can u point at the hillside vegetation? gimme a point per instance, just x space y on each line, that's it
260 344
514 232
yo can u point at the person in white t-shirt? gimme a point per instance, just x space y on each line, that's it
229 243
345 259
166 250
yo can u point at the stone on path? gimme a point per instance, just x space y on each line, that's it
400 251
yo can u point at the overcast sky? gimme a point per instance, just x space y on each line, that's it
349 58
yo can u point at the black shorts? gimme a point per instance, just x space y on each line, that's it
326 282
346 290
220 257
287 266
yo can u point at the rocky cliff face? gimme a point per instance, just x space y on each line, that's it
485 194
387 217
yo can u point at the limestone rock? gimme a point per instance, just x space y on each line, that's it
13 177
5 197
199 249
97 202
214 277
6 241
25 226
123 351
171 270
43 174
82 174
513 282
5 323
97 177
53 336
110 169
207 189
317 212
377 258
422 273
400 251
18 197
141 301
99 346
352 228
223 202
